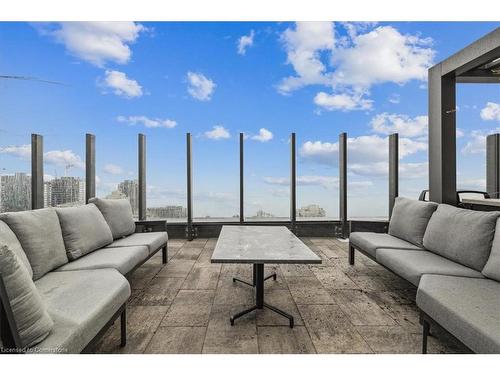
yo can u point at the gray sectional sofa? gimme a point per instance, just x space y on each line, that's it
452 256
63 274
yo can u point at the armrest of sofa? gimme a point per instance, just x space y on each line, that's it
142 226
9 333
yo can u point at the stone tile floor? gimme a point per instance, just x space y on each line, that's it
184 307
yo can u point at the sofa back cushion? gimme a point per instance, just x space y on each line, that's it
118 215
84 230
464 236
410 218
9 239
492 266
30 313
40 236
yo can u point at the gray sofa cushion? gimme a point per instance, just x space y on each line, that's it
467 308
40 235
122 259
153 240
370 242
411 265
8 238
492 266
30 313
84 230
410 218
118 215
464 236
80 303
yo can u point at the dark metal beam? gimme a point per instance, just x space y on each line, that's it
442 137
189 187
293 182
89 167
343 183
493 165
242 195
142 177
37 200
393 170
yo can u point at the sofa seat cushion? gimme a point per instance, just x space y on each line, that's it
467 308
369 242
122 259
9 239
118 215
40 236
409 219
464 236
411 265
153 240
492 267
80 303
84 230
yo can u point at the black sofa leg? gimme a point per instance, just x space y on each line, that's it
123 326
164 254
351 255
425 334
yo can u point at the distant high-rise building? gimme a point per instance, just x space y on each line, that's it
116 195
64 191
167 212
130 188
15 192
262 213
312 210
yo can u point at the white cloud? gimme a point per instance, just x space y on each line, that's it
97 42
263 136
387 123
200 87
217 132
244 42
343 102
394 99
113 169
491 111
22 151
473 184
64 158
122 85
327 182
148 122
476 144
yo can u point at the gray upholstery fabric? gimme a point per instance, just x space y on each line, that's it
410 218
464 236
80 303
40 235
370 242
84 230
467 308
122 259
492 266
153 240
118 215
8 238
411 265
30 313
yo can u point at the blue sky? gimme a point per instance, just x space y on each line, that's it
217 79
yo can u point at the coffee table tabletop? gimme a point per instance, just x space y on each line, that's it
261 244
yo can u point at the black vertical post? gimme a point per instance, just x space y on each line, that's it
89 167
343 183
493 165
189 186
142 177
293 184
393 170
37 196
242 196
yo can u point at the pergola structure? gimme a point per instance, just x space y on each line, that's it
477 63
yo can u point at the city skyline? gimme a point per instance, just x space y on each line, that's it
218 79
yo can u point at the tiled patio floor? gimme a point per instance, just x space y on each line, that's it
184 307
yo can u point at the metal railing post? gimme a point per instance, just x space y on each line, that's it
89 167
493 165
142 177
293 184
343 184
393 170
242 196
189 186
37 195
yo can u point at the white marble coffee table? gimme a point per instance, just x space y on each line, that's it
259 245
